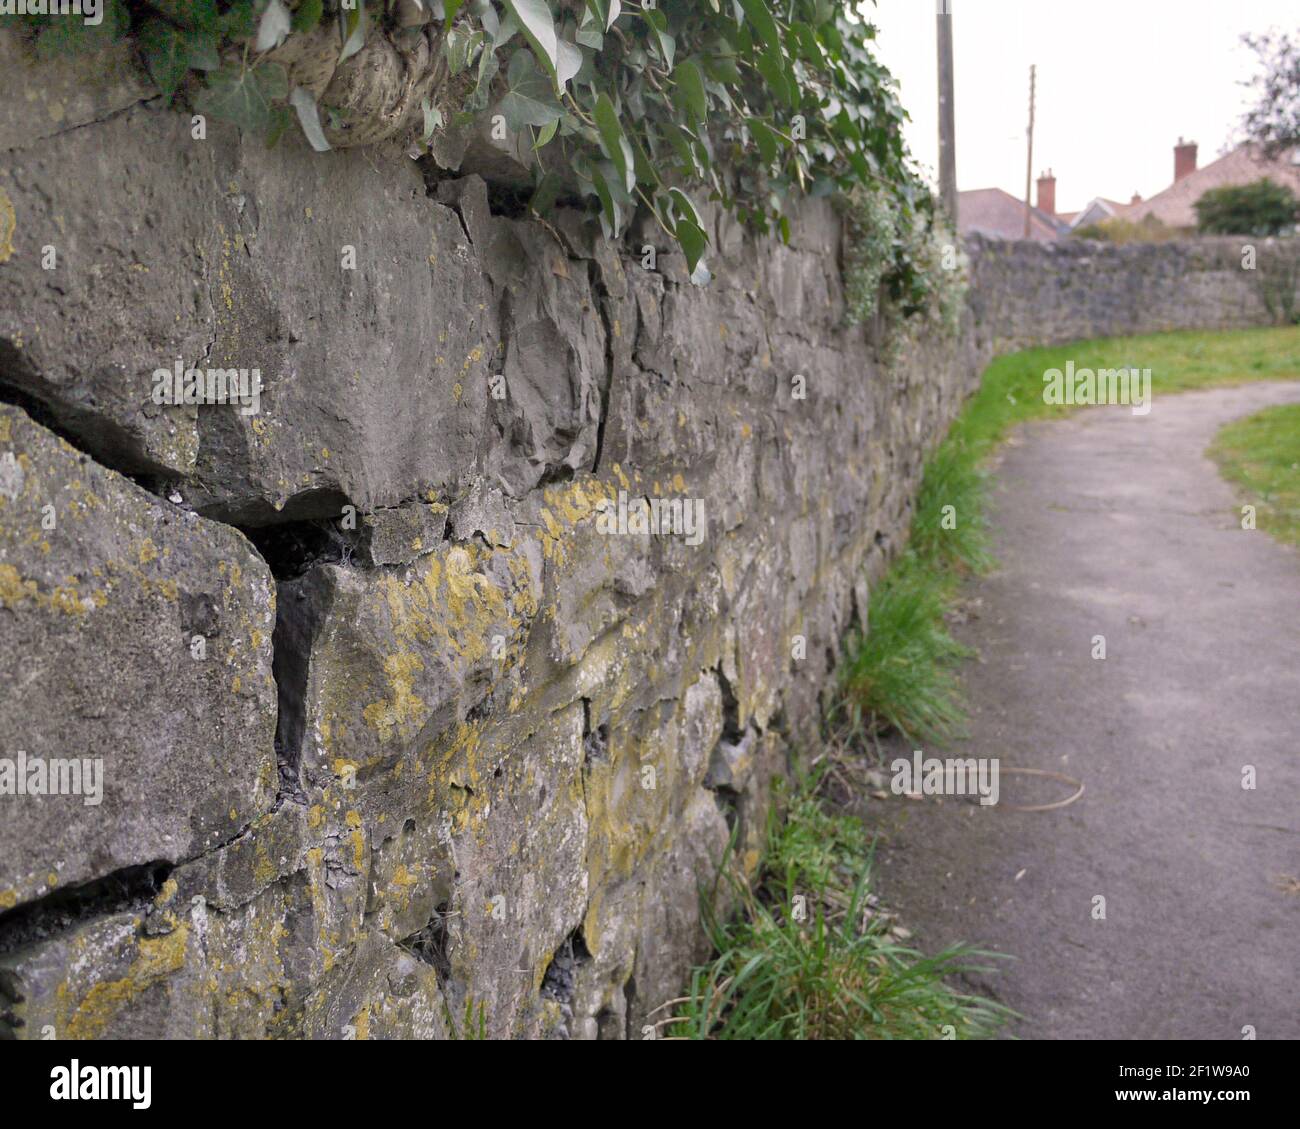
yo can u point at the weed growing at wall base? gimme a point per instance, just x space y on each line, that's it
807 958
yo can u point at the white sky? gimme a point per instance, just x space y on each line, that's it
1118 82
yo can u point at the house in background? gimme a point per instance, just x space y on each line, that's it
1175 206
999 215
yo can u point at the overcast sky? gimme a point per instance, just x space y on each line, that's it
1118 82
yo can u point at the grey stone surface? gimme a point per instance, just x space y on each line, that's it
513 737
134 634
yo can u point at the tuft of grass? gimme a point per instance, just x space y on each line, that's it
900 673
831 971
1262 454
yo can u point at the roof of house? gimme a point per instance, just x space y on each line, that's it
999 215
1097 208
1174 207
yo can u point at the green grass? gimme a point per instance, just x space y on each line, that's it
1262 454
836 974
900 673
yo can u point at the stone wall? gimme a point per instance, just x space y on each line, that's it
476 752
395 733
1027 293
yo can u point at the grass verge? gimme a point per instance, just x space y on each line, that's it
839 972
1262 454
826 967
900 673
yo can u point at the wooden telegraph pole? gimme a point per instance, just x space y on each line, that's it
1029 171
947 117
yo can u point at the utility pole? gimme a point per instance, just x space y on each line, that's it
947 117
1029 171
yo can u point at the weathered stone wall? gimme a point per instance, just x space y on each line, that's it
474 753
1027 293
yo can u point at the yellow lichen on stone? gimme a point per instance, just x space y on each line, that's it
8 225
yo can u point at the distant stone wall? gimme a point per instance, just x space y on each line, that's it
1026 293
372 719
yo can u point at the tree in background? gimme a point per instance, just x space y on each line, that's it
1262 209
1274 120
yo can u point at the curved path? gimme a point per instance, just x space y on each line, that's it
1108 524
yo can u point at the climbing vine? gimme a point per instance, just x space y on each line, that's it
633 104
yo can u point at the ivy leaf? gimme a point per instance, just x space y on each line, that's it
570 61
686 207
615 10
273 27
309 118
692 240
166 56
460 48
451 9
356 24
612 140
766 139
307 15
534 17
757 13
548 131
771 65
689 95
245 97
198 14
609 214
659 26
546 193
530 98
487 16
239 21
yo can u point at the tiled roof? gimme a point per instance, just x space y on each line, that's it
999 215
1244 165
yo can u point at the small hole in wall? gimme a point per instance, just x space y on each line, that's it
432 943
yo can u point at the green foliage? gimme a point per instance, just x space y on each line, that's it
836 974
1119 230
473 1025
900 673
1260 209
747 103
898 265
1262 454
1274 119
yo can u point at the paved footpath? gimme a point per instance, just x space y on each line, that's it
1115 525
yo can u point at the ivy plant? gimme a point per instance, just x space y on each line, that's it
654 105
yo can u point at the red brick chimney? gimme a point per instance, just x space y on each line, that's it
1047 193
1184 159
